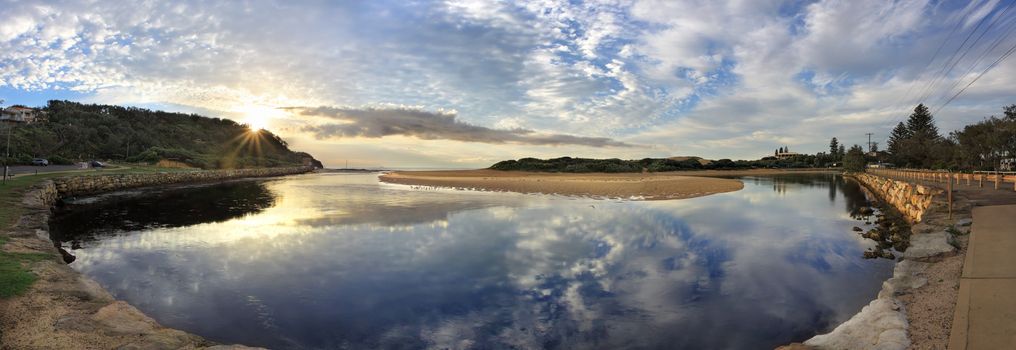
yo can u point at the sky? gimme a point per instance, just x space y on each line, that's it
463 83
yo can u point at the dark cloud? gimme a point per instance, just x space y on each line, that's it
381 122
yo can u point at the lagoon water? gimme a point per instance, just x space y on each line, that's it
327 261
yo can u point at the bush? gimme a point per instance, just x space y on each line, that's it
58 160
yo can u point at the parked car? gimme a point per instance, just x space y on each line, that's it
40 162
96 164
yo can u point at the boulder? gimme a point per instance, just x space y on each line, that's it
906 277
120 317
964 222
880 325
930 246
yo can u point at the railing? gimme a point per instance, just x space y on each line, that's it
996 178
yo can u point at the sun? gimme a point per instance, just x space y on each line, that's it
258 117
256 122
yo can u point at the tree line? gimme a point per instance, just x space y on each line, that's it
79 132
984 145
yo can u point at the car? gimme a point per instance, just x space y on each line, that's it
40 162
96 164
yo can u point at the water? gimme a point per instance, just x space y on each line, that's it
340 261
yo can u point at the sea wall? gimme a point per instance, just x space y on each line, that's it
911 200
85 185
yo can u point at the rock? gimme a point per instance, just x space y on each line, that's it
857 229
964 222
906 277
123 318
880 325
930 246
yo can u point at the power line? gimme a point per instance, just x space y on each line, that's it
953 61
906 96
935 78
1005 33
986 70
947 67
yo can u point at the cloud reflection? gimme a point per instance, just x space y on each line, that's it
495 270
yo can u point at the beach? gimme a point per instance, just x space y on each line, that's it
647 186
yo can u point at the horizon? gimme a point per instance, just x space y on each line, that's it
462 84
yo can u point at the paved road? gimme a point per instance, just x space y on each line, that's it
27 169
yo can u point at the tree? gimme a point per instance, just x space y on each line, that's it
874 147
983 145
897 138
834 148
923 140
841 152
853 161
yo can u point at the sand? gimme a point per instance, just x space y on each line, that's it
646 186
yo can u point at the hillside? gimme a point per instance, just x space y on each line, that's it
70 131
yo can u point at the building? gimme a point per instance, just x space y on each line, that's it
19 114
787 154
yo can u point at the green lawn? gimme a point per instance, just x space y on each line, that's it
15 278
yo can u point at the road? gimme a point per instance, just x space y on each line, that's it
28 169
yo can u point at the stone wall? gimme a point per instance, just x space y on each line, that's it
85 185
912 200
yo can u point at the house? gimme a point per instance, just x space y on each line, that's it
786 154
19 114
1007 164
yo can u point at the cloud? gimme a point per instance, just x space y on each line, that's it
720 79
381 122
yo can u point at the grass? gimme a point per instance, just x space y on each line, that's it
15 278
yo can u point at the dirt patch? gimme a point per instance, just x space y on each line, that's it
930 308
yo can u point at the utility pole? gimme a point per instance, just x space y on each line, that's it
869 141
7 153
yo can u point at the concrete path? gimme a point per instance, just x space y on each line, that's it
985 316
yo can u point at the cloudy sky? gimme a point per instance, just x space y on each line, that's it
464 83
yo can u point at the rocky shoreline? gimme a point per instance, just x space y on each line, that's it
914 308
65 309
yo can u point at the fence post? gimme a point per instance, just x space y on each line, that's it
997 177
950 189
980 180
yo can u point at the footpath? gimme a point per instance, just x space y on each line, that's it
985 314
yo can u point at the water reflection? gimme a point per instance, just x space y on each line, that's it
342 262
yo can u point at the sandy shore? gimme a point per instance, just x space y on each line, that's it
649 186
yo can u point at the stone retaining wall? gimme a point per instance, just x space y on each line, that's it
85 185
911 200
